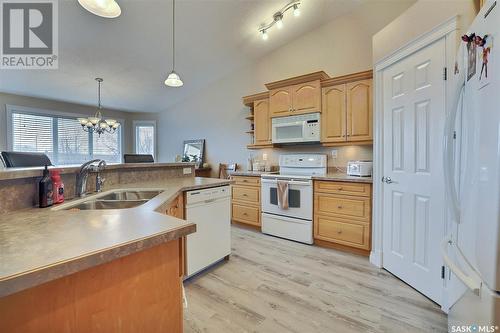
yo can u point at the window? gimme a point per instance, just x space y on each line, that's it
145 133
60 137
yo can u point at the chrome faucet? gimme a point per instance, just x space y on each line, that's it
82 176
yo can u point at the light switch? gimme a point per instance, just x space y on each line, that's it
187 171
334 153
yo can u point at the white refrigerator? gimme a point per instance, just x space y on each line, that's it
471 250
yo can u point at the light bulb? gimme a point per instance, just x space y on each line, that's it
279 22
296 10
116 125
110 122
83 121
94 120
264 35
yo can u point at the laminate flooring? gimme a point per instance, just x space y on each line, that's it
275 285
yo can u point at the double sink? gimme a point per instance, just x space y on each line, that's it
118 199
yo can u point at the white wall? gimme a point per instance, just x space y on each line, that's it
217 113
47 104
420 18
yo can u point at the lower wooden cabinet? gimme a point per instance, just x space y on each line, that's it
176 209
246 200
343 219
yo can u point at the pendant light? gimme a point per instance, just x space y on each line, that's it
102 8
173 79
96 124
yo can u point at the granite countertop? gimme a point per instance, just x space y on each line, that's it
40 245
343 177
16 173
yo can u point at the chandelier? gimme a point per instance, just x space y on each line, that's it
96 124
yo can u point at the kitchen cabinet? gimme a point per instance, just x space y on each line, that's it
246 200
347 110
359 111
262 122
296 99
176 209
342 215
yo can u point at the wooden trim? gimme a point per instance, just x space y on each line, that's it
255 146
347 143
248 100
365 75
321 75
341 247
245 225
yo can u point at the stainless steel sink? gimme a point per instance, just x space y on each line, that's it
130 195
119 199
107 204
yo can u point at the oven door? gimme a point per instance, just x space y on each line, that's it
288 132
300 198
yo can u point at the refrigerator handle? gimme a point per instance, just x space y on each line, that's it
449 173
470 282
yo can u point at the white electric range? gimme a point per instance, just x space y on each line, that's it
296 222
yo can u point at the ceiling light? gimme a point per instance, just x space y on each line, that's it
102 8
264 35
278 18
96 124
173 79
296 10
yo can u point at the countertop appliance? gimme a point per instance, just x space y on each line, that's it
295 222
360 168
472 177
210 209
296 129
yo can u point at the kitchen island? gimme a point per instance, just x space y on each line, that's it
114 270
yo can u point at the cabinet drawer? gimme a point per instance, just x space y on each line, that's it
246 181
342 232
348 188
246 214
246 194
342 206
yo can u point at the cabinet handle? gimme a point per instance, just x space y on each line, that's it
340 188
245 195
245 214
339 206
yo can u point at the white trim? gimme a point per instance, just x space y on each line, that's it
448 30
418 43
37 111
136 123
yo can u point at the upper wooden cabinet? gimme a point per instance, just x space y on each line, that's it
333 118
359 111
280 102
347 110
297 99
262 122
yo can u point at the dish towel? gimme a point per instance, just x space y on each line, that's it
282 191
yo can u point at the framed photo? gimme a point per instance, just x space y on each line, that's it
471 60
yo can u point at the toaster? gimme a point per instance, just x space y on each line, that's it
360 168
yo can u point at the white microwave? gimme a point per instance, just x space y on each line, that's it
296 129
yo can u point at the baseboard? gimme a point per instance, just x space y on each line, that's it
340 247
376 258
246 225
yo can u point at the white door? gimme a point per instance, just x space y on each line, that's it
414 207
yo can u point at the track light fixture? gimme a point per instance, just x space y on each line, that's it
278 18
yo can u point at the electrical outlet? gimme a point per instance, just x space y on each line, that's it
187 171
334 153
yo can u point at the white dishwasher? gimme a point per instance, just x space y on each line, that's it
210 209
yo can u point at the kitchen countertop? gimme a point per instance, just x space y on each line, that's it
40 245
343 177
16 173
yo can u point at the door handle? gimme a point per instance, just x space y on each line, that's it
388 180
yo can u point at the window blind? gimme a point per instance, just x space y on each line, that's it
62 139
144 139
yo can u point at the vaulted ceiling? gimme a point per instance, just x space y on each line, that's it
133 52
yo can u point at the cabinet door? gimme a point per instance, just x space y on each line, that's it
262 122
359 111
280 102
306 97
333 117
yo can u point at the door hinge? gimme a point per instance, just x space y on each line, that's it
455 135
442 272
445 73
